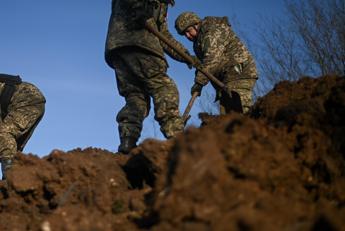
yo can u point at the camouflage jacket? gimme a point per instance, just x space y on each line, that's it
26 94
123 30
218 47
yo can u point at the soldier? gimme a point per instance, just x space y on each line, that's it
141 68
21 107
222 54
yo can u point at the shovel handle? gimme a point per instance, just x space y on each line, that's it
186 115
185 56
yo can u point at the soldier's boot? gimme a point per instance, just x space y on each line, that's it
127 144
6 164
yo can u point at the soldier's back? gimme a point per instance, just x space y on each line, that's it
125 30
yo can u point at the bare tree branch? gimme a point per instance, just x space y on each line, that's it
311 41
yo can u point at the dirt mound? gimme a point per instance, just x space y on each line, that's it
281 168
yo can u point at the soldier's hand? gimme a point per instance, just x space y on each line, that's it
196 88
196 62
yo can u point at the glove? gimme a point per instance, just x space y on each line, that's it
196 88
196 62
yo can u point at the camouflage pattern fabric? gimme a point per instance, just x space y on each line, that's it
241 79
225 56
141 75
24 113
124 31
140 65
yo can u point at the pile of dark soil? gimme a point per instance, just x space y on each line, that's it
281 168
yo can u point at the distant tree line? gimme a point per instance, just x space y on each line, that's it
309 40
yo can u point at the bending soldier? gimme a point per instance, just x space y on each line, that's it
222 54
141 68
22 107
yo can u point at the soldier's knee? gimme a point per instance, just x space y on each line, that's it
31 93
165 108
137 106
128 116
40 110
41 98
172 127
162 85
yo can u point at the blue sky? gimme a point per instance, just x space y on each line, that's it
59 46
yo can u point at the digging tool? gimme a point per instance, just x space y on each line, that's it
186 115
149 26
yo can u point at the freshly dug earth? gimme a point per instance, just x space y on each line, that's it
280 168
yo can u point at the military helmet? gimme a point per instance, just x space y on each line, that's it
186 20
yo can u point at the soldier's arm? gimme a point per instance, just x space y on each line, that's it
164 30
213 46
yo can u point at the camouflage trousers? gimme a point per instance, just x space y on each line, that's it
141 75
240 82
24 113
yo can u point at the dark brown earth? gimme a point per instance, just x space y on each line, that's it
281 168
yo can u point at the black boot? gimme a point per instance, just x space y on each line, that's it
127 144
6 164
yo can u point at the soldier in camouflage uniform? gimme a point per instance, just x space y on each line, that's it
22 107
222 54
141 68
